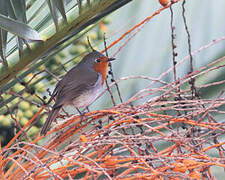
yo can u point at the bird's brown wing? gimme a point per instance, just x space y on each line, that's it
70 87
74 83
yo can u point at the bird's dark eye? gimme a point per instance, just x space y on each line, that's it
98 60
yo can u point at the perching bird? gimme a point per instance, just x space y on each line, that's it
80 86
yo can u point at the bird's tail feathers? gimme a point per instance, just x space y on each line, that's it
51 117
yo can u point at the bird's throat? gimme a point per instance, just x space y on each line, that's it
102 69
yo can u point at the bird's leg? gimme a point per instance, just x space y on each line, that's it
88 109
66 113
81 114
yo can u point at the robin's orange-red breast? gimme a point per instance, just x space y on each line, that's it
80 86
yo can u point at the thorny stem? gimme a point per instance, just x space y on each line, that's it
107 85
192 81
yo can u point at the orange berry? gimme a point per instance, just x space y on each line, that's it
164 2
83 138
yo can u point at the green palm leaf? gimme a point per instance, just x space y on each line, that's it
52 39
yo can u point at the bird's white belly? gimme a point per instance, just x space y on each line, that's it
88 97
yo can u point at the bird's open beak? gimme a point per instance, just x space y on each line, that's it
111 59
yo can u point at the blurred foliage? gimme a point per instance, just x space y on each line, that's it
29 90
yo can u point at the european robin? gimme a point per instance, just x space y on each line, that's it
80 86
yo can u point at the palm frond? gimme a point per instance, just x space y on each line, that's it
52 39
